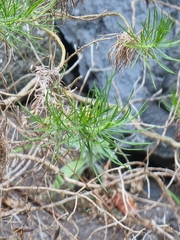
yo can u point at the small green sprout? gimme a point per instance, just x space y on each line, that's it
147 44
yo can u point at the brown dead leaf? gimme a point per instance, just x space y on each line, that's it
125 205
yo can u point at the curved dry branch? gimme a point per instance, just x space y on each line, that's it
57 39
92 17
24 91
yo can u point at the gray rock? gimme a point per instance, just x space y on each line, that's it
83 32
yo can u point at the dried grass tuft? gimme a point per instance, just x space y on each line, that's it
121 55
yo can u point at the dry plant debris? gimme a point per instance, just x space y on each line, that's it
120 55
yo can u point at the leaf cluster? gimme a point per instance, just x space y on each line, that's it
15 14
149 43
156 35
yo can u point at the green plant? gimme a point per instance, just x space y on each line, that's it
174 103
146 44
174 196
96 129
15 15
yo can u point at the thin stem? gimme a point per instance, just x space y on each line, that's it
57 39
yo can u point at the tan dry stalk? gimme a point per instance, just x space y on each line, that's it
3 154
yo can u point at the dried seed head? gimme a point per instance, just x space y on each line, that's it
121 54
3 154
64 5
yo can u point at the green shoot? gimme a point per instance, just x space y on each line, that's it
174 196
147 44
15 15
